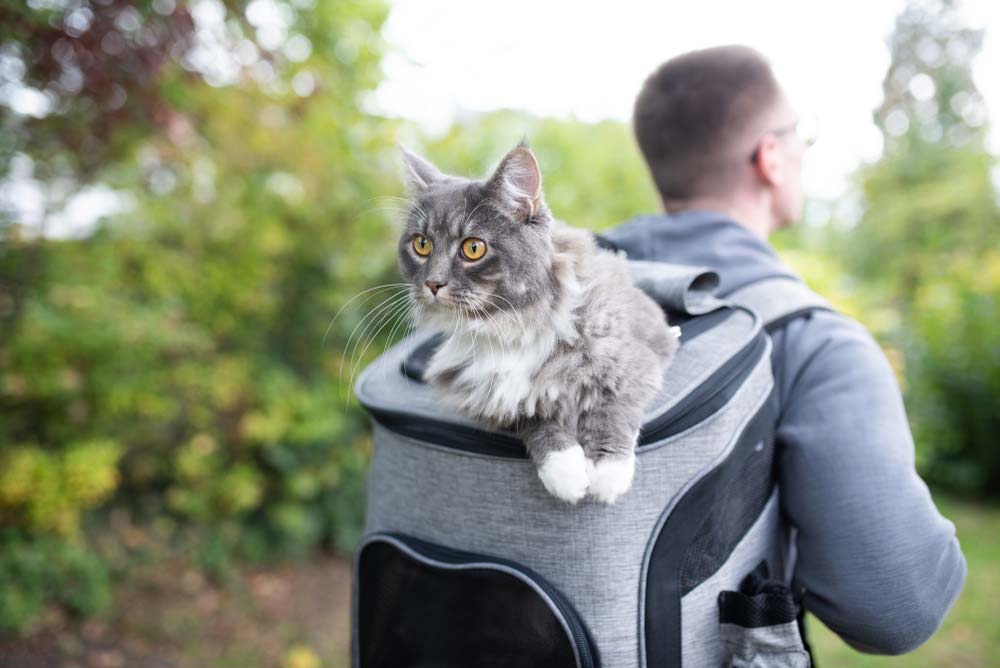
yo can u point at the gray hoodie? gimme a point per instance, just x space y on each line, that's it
878 563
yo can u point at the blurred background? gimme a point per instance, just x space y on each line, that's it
190 190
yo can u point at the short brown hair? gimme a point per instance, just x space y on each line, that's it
694 113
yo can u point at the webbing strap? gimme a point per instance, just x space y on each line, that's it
778 300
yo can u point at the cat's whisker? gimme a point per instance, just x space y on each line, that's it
384 286
400 205
385 200
394 317
377 317
473 339
455 330
369 317
395 312
407 316
494 324
500 340
362 324
487 298
410 317
493 354
400 317
513 309
365 319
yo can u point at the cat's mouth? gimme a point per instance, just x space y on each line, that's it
440 299
451 304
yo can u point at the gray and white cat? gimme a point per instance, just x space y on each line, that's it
545 333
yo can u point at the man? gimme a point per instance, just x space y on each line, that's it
877 562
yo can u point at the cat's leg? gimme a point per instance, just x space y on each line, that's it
562 465
608 434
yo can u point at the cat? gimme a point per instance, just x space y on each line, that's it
545 334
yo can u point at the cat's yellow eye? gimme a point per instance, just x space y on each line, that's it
422 245
473 248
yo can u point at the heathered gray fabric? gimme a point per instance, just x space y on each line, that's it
772 296
879 563
593 553
777 646
699 606
677 287
701 644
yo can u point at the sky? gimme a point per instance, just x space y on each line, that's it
589 59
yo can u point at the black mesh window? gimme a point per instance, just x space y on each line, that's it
702 529
745 491
412 614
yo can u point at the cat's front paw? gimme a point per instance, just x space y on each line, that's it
564 473
610 477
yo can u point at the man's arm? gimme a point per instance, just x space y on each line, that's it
880 565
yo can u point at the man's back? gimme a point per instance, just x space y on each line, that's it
878 563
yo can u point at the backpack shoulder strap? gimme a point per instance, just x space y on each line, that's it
779 300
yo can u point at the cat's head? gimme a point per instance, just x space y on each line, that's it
476 250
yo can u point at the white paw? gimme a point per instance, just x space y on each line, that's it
564 473
675 332
611 477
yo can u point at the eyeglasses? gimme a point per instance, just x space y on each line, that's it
807 130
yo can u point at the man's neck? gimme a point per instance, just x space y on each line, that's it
754 218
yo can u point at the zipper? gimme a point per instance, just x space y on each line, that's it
709 397
453 556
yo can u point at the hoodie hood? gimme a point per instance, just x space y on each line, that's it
700 238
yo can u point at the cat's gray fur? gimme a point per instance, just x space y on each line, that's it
547 335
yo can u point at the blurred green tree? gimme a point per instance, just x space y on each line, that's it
175 356
930 194
929 224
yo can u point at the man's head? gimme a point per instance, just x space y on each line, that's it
717 130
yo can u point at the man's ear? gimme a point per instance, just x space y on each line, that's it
518 181
769 161
420 173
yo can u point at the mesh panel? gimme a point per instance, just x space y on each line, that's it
415 615
744 491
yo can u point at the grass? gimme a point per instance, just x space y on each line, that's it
970 635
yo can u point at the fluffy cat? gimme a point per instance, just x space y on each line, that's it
546 335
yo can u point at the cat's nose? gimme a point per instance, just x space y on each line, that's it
434 285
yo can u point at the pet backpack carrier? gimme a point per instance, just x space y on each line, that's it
467 562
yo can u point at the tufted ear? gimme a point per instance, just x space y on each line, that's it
420 172
518 182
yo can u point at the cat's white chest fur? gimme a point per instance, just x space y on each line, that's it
496 377
499 370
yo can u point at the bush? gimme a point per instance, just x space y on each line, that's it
45 492
35 572
172 363
953 363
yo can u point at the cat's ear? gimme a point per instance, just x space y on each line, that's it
420 173
518 180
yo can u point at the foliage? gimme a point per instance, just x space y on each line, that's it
930 193
41 570
955 378
97 66
45 492
926 244
175 358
